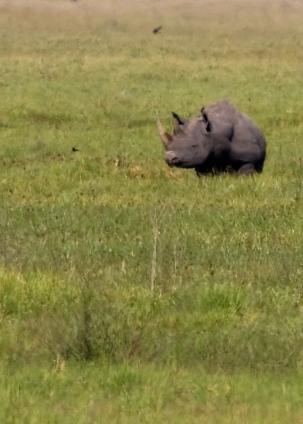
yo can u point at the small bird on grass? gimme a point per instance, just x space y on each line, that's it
74 149
157 30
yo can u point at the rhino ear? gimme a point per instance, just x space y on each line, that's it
179 123
206 121
179 120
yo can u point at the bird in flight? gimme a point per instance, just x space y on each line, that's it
157 30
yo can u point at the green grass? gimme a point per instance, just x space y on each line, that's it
135 394
129 291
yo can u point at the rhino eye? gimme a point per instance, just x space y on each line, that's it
194 145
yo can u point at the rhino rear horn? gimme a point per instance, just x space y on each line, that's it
165 137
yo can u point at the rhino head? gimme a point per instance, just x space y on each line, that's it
191 142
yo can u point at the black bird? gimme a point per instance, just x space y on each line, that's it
156 30
74 149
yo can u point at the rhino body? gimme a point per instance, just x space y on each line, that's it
220 139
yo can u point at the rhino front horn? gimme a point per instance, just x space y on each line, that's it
165 137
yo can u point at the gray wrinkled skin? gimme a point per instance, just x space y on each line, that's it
221 139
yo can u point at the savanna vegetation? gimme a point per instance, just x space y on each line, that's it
132 292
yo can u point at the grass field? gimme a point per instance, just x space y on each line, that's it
131 292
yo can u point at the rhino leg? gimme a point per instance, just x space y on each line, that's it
247 169
201 173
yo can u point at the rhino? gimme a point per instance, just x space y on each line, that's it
220 139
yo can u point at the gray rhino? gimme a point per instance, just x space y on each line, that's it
220 139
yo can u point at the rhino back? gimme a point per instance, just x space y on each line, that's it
247 143
222 116
246 129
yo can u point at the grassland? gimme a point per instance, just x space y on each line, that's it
131 292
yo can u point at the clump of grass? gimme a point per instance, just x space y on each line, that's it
218 326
